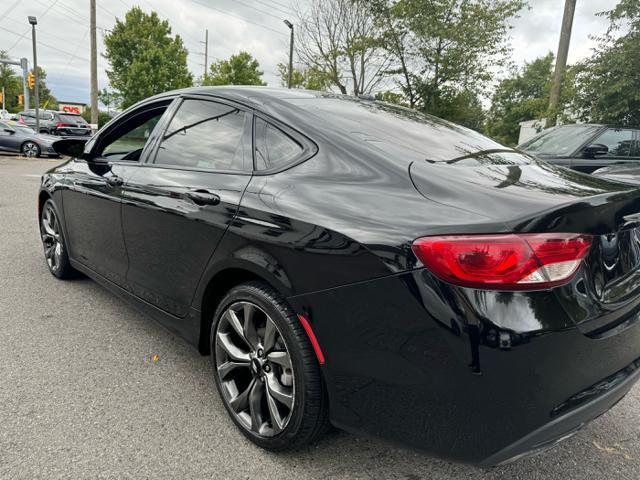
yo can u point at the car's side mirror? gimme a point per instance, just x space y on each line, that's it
70 147
595 149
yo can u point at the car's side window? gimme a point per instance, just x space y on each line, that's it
127 143
619 142
274 148
207 135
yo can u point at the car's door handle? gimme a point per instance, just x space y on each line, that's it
202 197
114 181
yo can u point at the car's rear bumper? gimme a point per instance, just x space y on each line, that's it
603 395
479 377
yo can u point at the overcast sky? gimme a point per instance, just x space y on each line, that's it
252 25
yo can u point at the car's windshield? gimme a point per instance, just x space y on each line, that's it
559 141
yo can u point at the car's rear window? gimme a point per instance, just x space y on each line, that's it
65 117
397 130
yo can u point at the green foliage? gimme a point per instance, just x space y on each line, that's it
391 97
109 99
12 84
523 96
47 100
239 69
144 58
311 78
461 107
103 117
608 84
445 44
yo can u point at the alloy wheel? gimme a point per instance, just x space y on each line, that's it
30 149
254 369
51 239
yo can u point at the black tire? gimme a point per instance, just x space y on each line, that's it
308 418
52 240
30 149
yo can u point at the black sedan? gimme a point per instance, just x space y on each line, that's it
348 261
586 147
18 138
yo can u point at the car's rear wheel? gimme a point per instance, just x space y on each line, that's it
55 249
30 149
266 370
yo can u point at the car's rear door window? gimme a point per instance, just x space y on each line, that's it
207 135
274 148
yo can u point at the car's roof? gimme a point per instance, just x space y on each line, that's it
251 95
390 129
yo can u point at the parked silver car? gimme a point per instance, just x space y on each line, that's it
15 137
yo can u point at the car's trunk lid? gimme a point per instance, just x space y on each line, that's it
539 197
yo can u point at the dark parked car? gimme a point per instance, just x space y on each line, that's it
620 173
585 147
351 261
15 137
57 123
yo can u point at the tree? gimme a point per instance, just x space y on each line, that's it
341 39
47 100
310 78
523 96
463 107
608 84
103 117
109 99
144 58
445 50
11 83
239 69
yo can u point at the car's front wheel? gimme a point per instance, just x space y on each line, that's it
266 370
55 249
30 149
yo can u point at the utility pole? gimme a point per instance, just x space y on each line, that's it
33 21
24 64
561 58
290 25
94 63
206 53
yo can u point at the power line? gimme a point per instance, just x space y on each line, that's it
281 4
106 10
40 32
41 16
258 10
286 11
80 44
200 2
10 9
47 45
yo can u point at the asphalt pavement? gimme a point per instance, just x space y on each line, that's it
81 397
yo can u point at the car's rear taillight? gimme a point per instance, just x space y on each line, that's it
58 125
530 261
